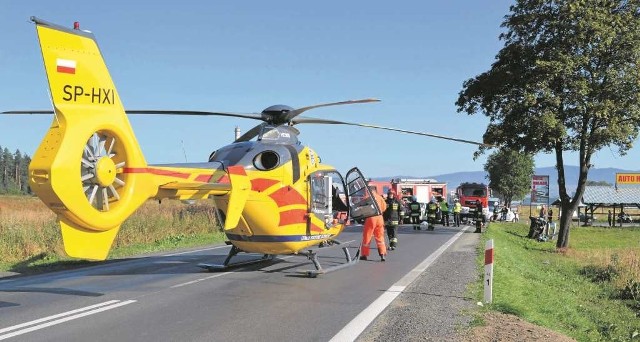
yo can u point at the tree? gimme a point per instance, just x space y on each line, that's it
598 183
509 174
24 174
7 183
17 169
567 79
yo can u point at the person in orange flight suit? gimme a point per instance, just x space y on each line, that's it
374 226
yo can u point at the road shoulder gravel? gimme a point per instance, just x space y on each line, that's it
434 307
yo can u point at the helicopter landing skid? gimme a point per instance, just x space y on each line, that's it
313 256
233 252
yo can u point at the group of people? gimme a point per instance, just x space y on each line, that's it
438 212
392 210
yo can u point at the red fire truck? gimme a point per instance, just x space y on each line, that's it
422 189
468 194
381 186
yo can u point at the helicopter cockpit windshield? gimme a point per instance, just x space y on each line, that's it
279 135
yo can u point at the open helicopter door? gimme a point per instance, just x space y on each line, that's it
361 201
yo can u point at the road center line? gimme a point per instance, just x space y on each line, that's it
100 308
199 280
353 329
216 275
195 251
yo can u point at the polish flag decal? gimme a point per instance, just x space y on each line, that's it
66 66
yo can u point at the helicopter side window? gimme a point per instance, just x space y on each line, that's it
362 204
320 194
328 197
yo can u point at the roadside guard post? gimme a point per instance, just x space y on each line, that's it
488 271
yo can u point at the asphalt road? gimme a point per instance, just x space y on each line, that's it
168 298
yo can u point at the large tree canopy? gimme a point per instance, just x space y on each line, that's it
510 174
567 79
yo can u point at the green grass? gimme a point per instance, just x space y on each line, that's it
47 262
534 282
30 240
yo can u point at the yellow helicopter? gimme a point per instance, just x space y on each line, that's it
274 195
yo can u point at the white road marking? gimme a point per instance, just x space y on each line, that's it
56 316
52 320
196 251
96 309
216 275
353 329
199 280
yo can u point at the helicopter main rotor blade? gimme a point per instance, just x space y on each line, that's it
335 122
27 112
157 112
292 114
252 133
194 112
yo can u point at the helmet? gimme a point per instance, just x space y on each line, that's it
413 198
390 193
456 200
433 200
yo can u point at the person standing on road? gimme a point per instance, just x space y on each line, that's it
374 226
444 208
392 217
457 208
479 217
432 211
414 206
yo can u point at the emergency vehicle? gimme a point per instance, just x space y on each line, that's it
381 186
468 194
423 189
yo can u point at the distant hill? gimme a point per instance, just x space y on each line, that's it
571 173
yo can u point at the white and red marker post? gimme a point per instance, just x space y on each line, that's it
488 271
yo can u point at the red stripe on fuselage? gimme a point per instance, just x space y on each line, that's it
156 172
203 178
315 228
237 170
262 184
287 196
292 217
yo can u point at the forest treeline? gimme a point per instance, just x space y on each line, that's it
14 172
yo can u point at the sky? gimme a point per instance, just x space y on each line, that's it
244 56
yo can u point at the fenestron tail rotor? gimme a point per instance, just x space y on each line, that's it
102 170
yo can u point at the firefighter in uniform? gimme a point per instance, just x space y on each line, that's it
392 217
457 208
444 208
432 211
374 226
479 217
414 206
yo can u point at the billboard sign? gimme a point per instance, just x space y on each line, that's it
540 189
627 179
